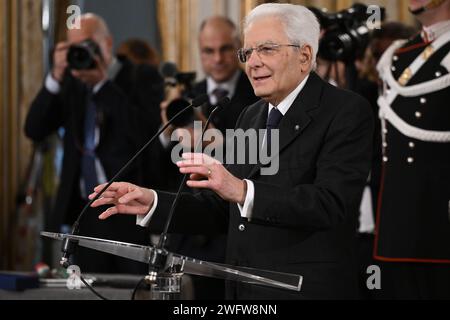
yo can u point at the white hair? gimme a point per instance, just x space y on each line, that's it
300 24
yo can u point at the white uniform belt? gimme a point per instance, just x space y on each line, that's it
408 130
418 89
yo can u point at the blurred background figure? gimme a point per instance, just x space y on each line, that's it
138 51
218 43
107 107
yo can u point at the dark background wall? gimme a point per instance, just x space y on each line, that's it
127 18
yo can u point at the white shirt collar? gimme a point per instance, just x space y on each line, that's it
229 85
431 33
287 102
114 68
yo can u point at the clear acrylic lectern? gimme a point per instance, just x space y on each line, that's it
167 283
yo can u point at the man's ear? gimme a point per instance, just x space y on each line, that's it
306 54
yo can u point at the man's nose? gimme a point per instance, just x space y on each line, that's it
254 60
218 56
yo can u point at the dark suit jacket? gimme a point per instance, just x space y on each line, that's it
125 107
304 217
243 96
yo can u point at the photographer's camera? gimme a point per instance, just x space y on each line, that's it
81 56
346 33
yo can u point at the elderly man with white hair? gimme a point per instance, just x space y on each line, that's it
302 218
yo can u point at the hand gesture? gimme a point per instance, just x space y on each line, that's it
208 173
125 198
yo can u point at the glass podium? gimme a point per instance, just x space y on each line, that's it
166 284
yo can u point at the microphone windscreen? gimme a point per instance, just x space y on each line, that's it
200 100
184 119
223 103
168 70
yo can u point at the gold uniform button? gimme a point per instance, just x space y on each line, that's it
423 100
410 160
418 115
412 145
241 227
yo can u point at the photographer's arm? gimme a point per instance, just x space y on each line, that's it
45 115
46 112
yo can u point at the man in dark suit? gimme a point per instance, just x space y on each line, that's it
301 217
218 43
99 109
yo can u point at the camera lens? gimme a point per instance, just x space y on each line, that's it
82 56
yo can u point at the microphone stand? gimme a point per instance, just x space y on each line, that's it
158 258
68 246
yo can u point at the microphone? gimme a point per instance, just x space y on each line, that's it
157 259
169 71
68 245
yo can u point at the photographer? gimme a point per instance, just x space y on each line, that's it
107 107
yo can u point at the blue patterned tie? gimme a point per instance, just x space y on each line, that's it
88 170
220 93
273 121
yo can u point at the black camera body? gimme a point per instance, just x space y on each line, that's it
346 33
173 77
81 56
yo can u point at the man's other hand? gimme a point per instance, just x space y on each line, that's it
124 198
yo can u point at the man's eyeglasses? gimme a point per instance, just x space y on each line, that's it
265 50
